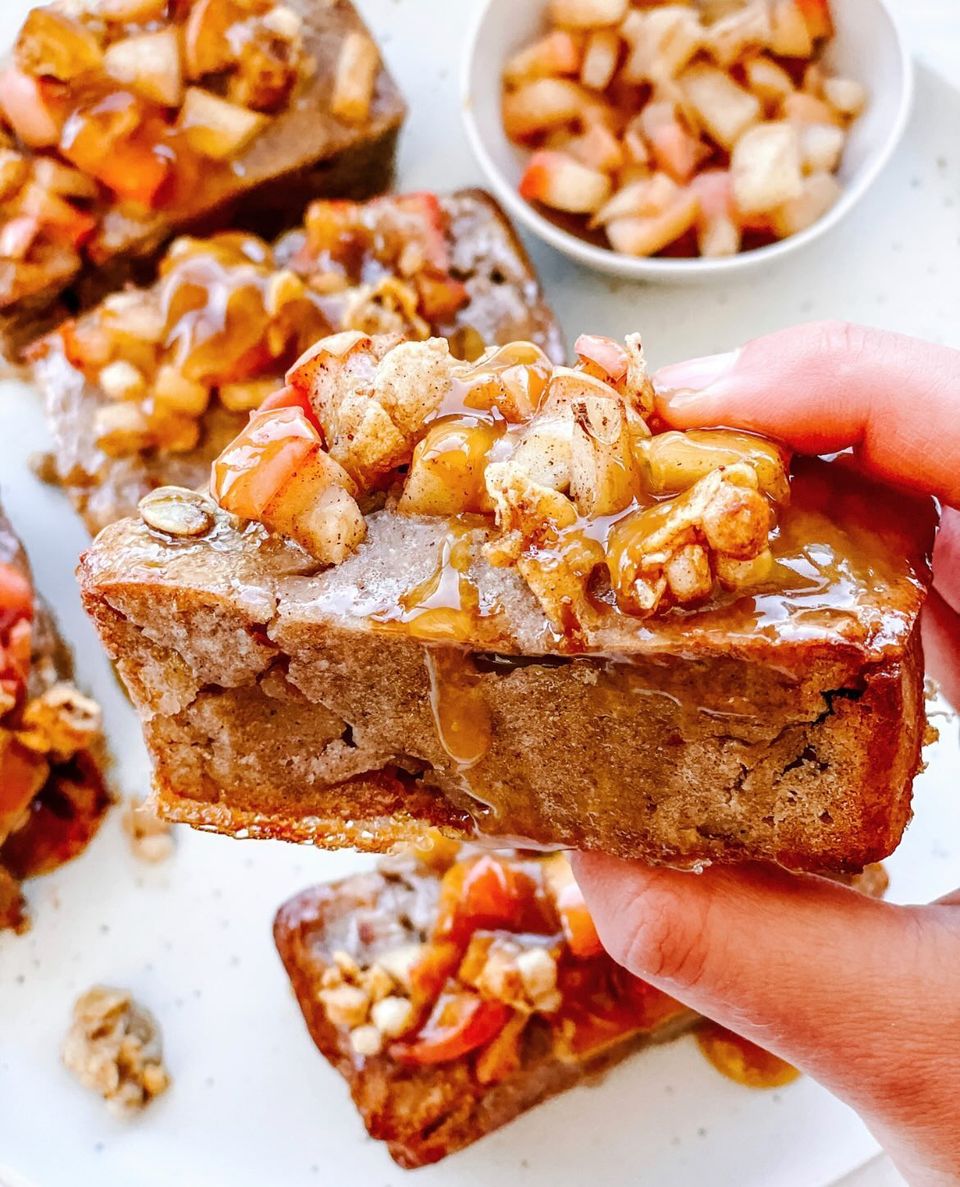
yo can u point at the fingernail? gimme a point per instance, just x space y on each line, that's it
693 379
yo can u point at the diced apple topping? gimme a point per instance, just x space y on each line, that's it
562 183
227 319
27 111
744 28
648 234
559 462
372 401
845 95
789 33
821 147
150 64
617 97
17 237
765 168
600 59
100 83
278 473
586 14
662 41
767 79
818 193
14 170
132 12
718 229
540 105
597 148
215 127
54 45
723 107
673 146
557 53
205 43
355 79
804 108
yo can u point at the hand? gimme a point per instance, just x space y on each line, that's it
863 995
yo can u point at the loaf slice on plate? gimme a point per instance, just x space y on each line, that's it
145 391
52 793
131 121
455 995
454 989
489 597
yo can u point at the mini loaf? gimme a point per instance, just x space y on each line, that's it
141 392
454 988
504 605
125 122
52 791
455 991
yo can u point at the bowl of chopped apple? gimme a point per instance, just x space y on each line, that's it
677 141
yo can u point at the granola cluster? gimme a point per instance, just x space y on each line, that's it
574 489
373 1003
114 1048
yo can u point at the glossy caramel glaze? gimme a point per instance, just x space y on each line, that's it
742 1061
224 279
848 568
852 560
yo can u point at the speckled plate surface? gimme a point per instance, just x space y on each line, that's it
252 1102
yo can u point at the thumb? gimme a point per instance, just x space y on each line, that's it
861 994
827 386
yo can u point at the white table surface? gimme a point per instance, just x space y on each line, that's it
252 1103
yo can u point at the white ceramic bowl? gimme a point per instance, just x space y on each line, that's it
868 46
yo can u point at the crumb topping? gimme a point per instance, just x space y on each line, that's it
114 1048
151 839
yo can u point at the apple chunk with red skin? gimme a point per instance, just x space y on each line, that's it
277 472
562 183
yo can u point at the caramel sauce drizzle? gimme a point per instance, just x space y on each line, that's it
444 606
742 1061
214 302
824 551
464 724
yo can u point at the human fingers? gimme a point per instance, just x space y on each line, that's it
827 386
820 975
946 557
941 646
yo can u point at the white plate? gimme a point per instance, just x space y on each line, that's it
253 1104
